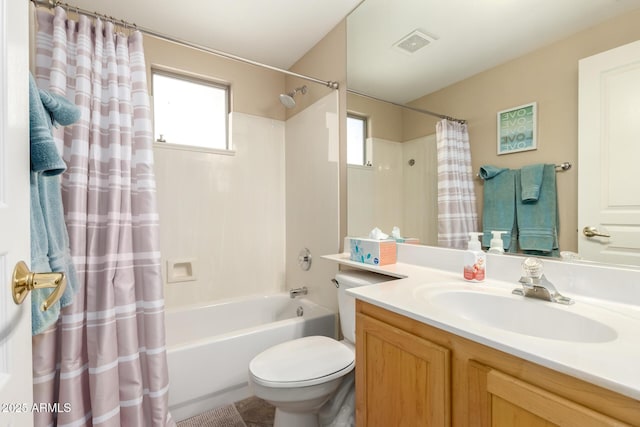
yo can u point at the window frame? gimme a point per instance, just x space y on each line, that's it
188 77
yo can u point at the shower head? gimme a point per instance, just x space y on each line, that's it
287 99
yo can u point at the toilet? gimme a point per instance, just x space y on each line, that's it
299 376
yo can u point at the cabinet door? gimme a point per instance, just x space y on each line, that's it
401 379
500 400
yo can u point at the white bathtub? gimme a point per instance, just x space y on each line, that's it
209 347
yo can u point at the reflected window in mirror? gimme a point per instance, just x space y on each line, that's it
357 141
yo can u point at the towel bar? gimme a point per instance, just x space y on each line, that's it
565 166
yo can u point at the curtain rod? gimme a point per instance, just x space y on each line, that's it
51 4
419 110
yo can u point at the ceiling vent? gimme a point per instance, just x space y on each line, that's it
413 42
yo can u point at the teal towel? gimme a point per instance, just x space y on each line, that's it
538 222
488 171
531 180
44 154
40 320
57 237
62 111
49 238
499 211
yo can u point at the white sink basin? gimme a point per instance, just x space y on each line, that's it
500 309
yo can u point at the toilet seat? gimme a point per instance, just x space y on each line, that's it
302 362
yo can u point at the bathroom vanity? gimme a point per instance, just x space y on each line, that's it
433 350
411 374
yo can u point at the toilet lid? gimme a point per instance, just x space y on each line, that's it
302 362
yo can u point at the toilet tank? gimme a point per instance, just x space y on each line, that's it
346 303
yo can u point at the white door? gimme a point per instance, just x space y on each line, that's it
609 156
15 321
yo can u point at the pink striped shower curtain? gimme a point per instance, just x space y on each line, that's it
105 361
457 215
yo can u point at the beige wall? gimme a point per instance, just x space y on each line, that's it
549 77
254 90
384 119
325 61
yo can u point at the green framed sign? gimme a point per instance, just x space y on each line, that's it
517 129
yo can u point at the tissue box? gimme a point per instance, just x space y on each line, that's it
412 240
371 251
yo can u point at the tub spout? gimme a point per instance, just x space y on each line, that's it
295 292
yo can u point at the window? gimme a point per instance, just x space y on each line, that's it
189 111
356 140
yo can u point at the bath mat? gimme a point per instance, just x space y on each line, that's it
226 416
256 412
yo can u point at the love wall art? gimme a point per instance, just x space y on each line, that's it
517 129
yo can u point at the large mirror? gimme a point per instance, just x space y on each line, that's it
472 59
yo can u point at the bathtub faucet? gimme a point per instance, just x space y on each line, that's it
298 291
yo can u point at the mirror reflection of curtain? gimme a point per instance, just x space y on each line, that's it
106 357
457 215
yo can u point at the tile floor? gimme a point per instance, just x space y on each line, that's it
255 412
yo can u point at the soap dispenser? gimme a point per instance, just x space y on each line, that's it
475 261
497 246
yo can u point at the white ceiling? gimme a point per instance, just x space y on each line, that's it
473 35
274 32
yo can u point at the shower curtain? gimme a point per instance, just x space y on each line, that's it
104 363
457 215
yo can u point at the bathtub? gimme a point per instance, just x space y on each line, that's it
209 347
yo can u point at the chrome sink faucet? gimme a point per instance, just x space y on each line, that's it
295 292
536 285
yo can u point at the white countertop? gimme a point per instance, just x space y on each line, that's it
614 364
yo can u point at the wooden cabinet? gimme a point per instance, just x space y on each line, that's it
503 400
404 378
412 374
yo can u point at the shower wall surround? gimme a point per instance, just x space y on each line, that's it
225 213
242 219
312 203
395 191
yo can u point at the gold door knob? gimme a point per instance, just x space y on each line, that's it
24 281
592 232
